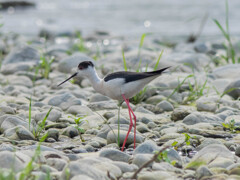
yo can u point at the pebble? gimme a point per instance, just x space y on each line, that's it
233 89
53 116
164 106
147 147
114 155
70 131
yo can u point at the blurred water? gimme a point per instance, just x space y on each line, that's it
165 18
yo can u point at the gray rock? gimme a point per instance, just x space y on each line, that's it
53 116
155 99
7 147
206 142
56 163
18 133
53 133
66 65
181 112
9 160
234 88
111 137
174 156
64 101
140 159
203 171
237 151
155 175
125 167
164 106
78 177
200 47
214 155
235 118
98 97
11 122
227 71
114 155
81 110
143 110
89 148
79 150
206 104
70 131
164 166
16 67
151 125
142 128
20 80
23 54
148 147
6 110
102 105
78 168
122 120
223 115
196 117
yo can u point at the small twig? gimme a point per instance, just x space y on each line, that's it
148 162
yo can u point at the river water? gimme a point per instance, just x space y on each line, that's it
165 18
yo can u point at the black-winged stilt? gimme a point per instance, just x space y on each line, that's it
120 86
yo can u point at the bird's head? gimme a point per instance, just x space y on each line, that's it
84 69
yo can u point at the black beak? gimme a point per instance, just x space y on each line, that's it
68 78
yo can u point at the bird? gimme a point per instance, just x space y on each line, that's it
121 86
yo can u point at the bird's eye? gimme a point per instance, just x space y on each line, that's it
80 67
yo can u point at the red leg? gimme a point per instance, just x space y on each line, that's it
131 124
135 123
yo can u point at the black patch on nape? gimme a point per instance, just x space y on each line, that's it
85 64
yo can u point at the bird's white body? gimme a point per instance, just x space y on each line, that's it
116 87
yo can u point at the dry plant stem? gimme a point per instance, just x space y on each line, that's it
148 162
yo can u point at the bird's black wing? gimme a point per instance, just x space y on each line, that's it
132 76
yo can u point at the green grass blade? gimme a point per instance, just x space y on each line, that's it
159 57
45 118
227 24
124 61
221 28
30 113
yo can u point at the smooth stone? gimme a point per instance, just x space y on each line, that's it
206 142
201 47
114 155
235 93
210 133
196 117
77 168
11 122
151 125
173 155
181 112
223 115
227 71
22 54
221 162
98 97
111 138
155 99
206 104
210 153
148 147
56 163
102 105
53 133
122 120
81 110
53 116
155 175
236 119
70 131
78 177
143 110
142 128
203 171
16 67
140 159
92 121
7 147
237 151
9 160
164 106
164 166
79 150
125 167
6 110
20 80
67 64
89 148
64 101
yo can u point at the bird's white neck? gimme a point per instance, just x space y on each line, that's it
95 80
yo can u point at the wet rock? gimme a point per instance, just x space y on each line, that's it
53 116
148 147
164 106
22 54
234 88
67 64
64 101
114 155
111 137
10 161
196 117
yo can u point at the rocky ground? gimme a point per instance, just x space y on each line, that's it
69 132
